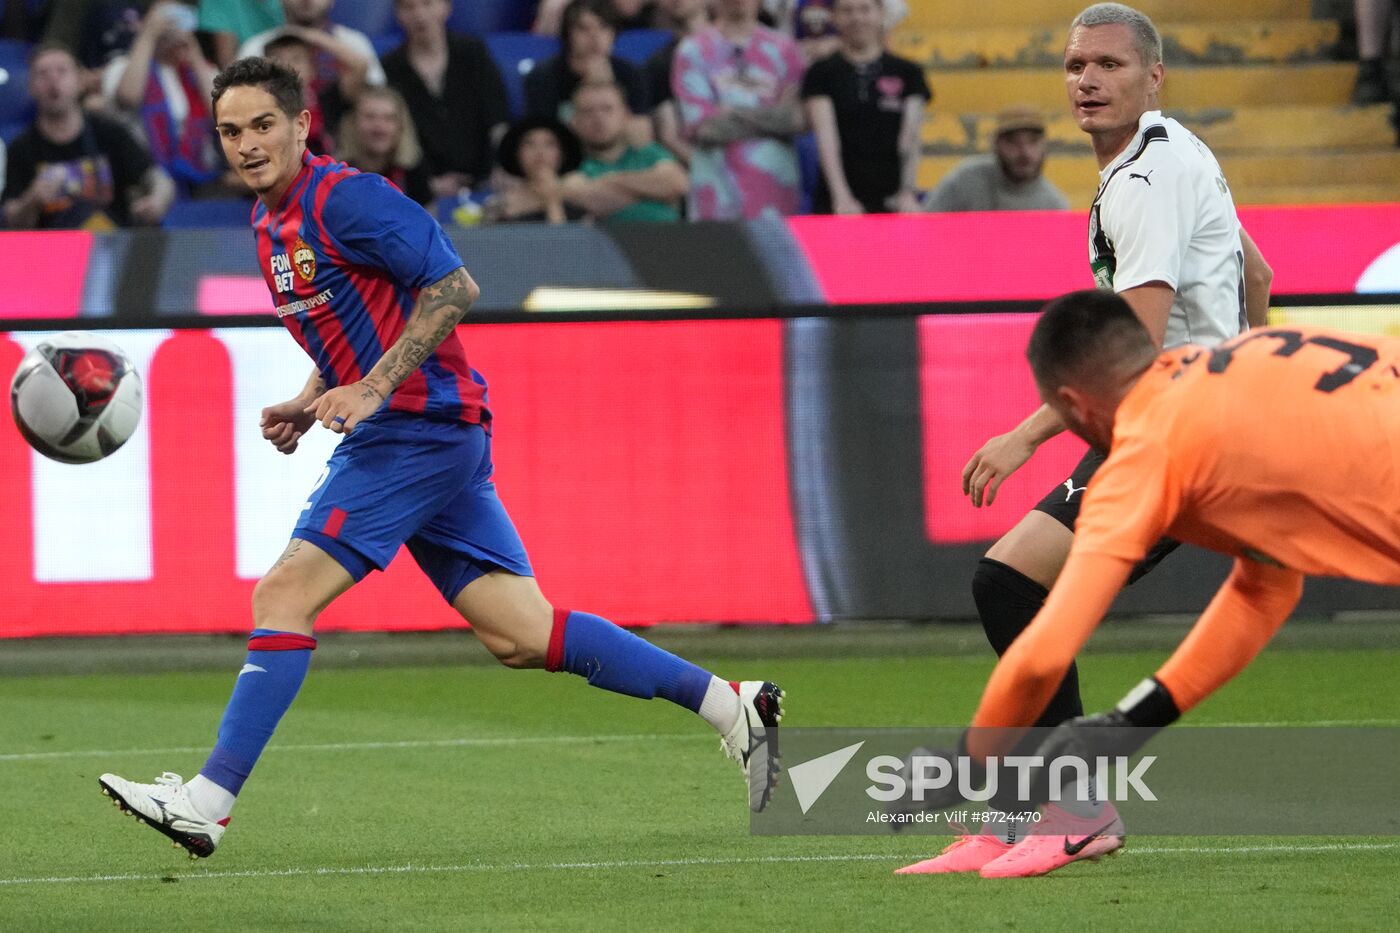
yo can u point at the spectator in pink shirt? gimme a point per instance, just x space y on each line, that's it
737 86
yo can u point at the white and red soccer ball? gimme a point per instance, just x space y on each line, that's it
76 397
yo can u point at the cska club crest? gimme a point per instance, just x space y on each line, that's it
303 260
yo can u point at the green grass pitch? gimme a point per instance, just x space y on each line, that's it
456 795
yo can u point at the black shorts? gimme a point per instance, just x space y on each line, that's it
1062 504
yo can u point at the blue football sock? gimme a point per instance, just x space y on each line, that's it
614 659
276 666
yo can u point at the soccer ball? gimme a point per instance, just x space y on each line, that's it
76 397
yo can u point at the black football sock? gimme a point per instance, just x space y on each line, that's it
1007 600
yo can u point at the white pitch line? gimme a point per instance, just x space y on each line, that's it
481 742
1247 850
457 869
640 863
1297 724
508 741
1277 723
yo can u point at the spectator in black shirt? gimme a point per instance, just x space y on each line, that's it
454 93
586 36
867 108
72 169
683 18
378 136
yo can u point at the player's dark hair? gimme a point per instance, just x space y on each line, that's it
568 21
282 83
1084 335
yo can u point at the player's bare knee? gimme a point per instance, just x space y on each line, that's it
278 605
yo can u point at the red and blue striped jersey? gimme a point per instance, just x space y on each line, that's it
345 254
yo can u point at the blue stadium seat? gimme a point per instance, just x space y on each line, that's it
371 17
11 129
387 42
516 54
221 212
637 45
483 17
15 105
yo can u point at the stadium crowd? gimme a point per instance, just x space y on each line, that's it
605 110
621 110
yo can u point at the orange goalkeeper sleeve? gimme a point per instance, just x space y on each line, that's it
1239 621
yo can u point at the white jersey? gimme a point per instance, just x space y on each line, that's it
1163 213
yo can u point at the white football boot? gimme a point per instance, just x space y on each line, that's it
165 806
753 739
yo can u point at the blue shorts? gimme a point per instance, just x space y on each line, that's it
403 479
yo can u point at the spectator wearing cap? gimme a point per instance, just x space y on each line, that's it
617 180
1008 179
866 107
535 155
737 85
587 32
452 85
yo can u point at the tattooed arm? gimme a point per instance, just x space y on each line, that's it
441 307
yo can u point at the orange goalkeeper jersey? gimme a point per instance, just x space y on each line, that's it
1278 446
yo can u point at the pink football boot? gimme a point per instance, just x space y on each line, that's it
1060 838
965 853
